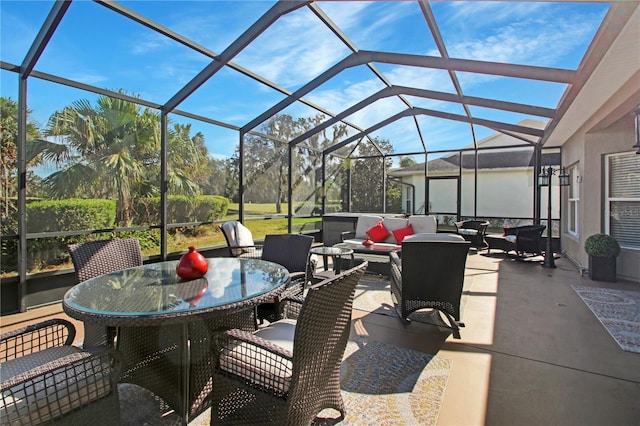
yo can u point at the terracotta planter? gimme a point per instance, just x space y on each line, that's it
602 268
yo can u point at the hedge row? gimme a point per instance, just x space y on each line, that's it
180 209
83 214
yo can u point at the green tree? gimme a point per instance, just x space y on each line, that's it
37 151
115 149
215 182
308 159
407 161
187 163
367 177
266 159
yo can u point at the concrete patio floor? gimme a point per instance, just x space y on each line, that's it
531 353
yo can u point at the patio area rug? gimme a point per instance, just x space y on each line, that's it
618 311
381 385
387 385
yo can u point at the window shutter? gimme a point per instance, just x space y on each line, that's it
624 199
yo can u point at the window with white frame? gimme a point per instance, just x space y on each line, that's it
622 195
574 200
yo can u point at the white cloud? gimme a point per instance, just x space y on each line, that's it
294 50
423 78
367 22
220 277
89 78
541 34
339 99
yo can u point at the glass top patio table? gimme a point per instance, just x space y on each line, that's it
373 249
165 324
152 293
335 252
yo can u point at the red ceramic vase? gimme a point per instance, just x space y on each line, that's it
192 265
367 243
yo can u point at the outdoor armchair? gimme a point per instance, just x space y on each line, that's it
288 372
95 258
46 379
430 274
473 231
525 240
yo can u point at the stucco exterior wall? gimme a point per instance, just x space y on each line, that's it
504 193
589 150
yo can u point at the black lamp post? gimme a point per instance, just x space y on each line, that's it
636 111
544 179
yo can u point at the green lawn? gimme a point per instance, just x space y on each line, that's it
210 236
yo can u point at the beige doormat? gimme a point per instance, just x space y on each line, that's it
381 385
618 311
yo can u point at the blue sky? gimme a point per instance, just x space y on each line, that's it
96 46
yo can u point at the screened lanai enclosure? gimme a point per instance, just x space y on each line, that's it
161 119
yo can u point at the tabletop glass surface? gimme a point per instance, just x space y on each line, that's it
157 289
374 248
331 251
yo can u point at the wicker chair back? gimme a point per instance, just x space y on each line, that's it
95 258
275 381
288 250
322 332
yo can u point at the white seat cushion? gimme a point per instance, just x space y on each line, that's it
424 224
432 237
245 238
238 236
365 222
253 364
279 333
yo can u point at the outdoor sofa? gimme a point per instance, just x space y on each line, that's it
387 233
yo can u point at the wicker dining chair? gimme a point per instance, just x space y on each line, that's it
47 380
94 258
288 372
293 252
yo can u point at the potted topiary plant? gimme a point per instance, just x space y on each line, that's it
602 250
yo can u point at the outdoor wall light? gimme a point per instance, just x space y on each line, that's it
544 179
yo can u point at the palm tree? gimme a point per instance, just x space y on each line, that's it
111 147
115 149
37 150
187 162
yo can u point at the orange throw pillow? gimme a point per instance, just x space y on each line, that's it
378 233
403 232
